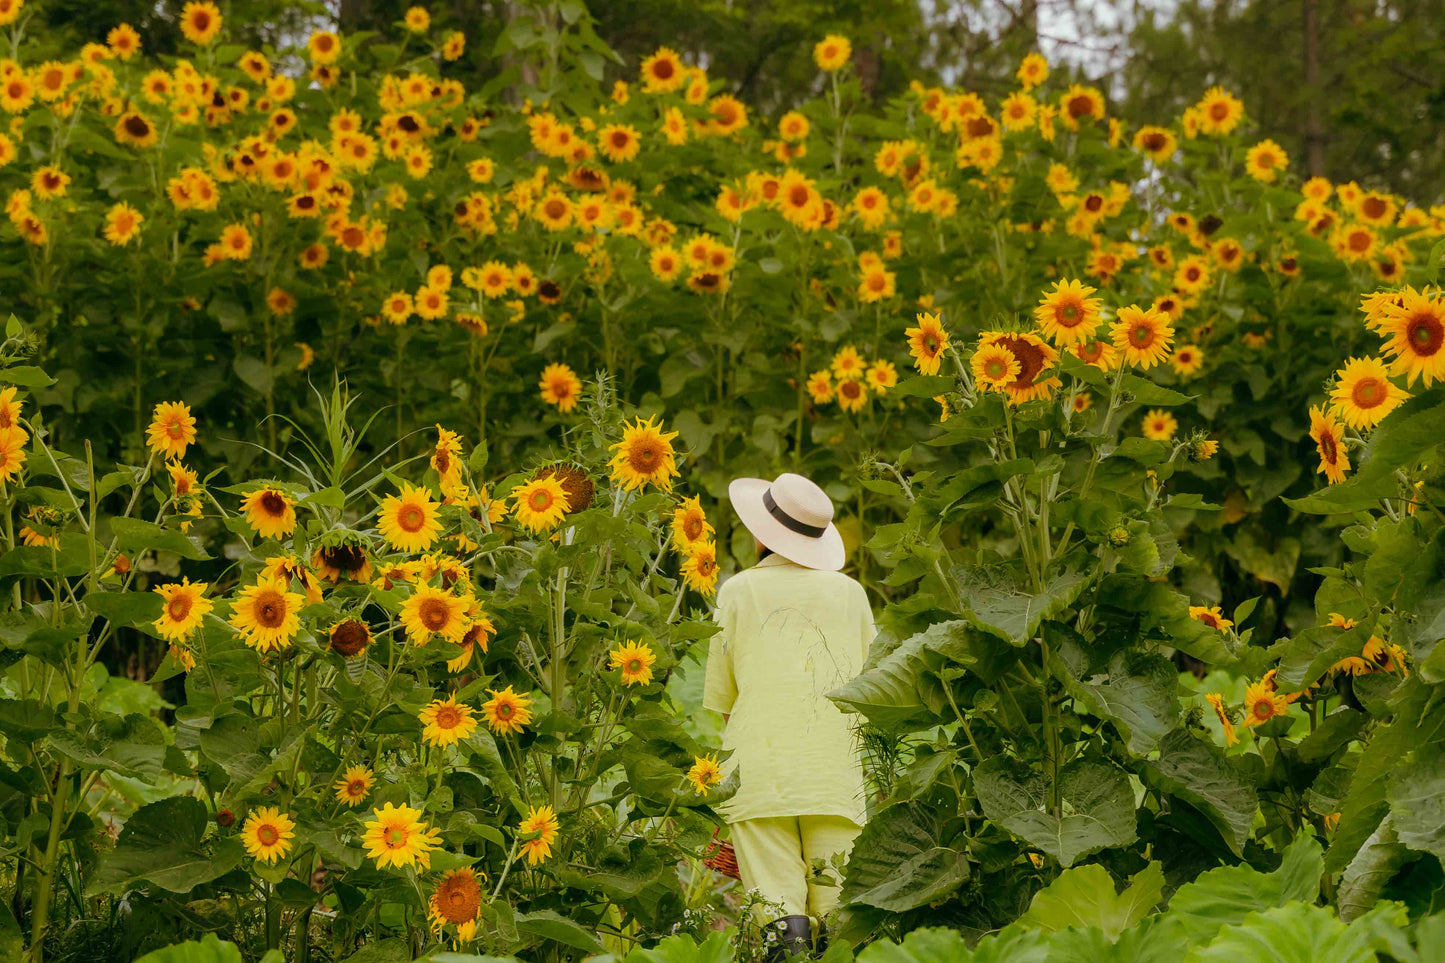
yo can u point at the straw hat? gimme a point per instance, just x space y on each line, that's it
792 516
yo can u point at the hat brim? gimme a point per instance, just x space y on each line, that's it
824 552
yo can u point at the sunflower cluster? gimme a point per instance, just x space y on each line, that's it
851 380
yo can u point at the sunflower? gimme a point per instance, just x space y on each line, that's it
1210 616
267 834
537 832
1376 208
1033 70
349 637
1363 394
345 558
540 504
852 394
882 375
445 722
417 19
12 453
1187 359
183 610
635 660
1034 357
1157 142
699 570
662 73
135 129
433 611
457 902
1355 242
1415 326
1159 425
1080 103
354 785
1265 160
1101 354
171 429
689 524
1219 112
266 615
1329 439
619 142
1217 701
832 52
820 387
409 521
200 22
1262 704
644 456
704 773
994 366
1142 335
478 635
560 386
270 512
398 837
507 711
1067 314
323 47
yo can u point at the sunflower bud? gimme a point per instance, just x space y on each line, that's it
1119 536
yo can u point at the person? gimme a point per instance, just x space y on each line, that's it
793 629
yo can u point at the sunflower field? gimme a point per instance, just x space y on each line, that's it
364 445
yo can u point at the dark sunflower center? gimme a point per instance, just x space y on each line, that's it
270 610
136 126
179 607
1425 333
434 614
448 717
267 835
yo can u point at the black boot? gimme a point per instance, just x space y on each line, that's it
793 937
821 946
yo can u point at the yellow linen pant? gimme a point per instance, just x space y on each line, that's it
774 853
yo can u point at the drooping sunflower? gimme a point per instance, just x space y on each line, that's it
267 834
1067 314
1142 335
994 366
1099 353
457 902
343 558
1034 357
171 429
699 569
1261 704
540 824
1159 425
927 342
270 512
409 521
446 721
478 635
1329 439
507 711
354 785
1217 702
266 615
635 659
1363 394
540 504
662 73
560 386
399 837
432 611
689 524
1187 359
644 456
1415 327
184 609
200 22
704 773
1210 616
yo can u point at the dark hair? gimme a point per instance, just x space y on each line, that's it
764 552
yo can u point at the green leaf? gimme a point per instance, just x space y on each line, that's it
1136 693
1227 895
934 945
1146 392
12 944
888 692
26 376
1197 772
392 950
1378 860
1309 655
137 535
998 604
717 948
210 949
254 372
164 843
924 386
1417 800
551 925
1297 933
128 609
1096 812
1085 896
898 863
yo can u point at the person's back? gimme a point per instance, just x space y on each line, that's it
793 629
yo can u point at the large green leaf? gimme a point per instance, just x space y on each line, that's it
933 945
684 949
137 535
899 863
1225 896
551 925
1309 654
1299 933
1085 896
210 949
1378 860
888 693
1198 773
999 604
1417 800
1136 693
1096 806
164 843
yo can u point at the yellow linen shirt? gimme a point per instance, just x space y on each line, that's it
790 635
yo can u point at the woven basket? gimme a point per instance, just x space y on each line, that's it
721 857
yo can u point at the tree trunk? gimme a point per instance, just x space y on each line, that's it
1314 125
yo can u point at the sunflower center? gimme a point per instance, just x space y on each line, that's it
645 456
267 835
270 609
357 787
1425 333
1374 207
1091 351
1359 241
849 388
1140 336
633 666
411 518
179 607
459 899
692 528
350 637
448 717
1368 392
504 711
345 558
1219 111
1327 448
395 836
434 614
136 126
540 500
996 368
1263 709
